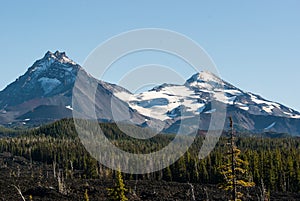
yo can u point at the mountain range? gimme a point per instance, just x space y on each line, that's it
44 94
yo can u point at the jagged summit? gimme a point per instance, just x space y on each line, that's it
57 61
58 56
45 92
53 74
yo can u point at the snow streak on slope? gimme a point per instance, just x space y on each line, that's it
270 126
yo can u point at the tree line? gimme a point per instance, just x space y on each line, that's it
273 162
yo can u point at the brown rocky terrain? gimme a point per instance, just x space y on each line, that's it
36 180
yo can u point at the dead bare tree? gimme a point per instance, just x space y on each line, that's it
61 183
206 194
54 168
18 171
192 191
19 191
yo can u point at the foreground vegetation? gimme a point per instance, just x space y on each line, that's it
272 164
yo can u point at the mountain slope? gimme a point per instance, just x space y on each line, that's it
49 76
44 93
251 112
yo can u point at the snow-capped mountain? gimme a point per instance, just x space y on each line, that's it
44 94
47 77
163 102
250 112
222 91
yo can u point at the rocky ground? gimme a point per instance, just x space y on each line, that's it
36 180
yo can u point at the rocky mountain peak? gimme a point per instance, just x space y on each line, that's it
204 76
58 56
57 61
206 80
53 74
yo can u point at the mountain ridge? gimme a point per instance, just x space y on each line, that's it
47 86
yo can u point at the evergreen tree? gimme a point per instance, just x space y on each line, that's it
118 192
234 170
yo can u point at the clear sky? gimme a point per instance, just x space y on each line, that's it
255 44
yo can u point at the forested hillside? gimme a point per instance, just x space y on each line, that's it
274 163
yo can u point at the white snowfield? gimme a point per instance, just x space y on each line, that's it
159 104
165 101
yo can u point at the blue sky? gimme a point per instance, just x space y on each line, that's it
255 44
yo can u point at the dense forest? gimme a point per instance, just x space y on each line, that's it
273 164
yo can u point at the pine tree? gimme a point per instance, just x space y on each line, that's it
118 192
234 171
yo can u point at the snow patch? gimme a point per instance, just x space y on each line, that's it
220 96
69 107
268 109
48 84
246 108
202 85
233 92
243 106
42 66
257 100
61 57
270 126
3 111
210 111
207 77
67 60
295 116
201 109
